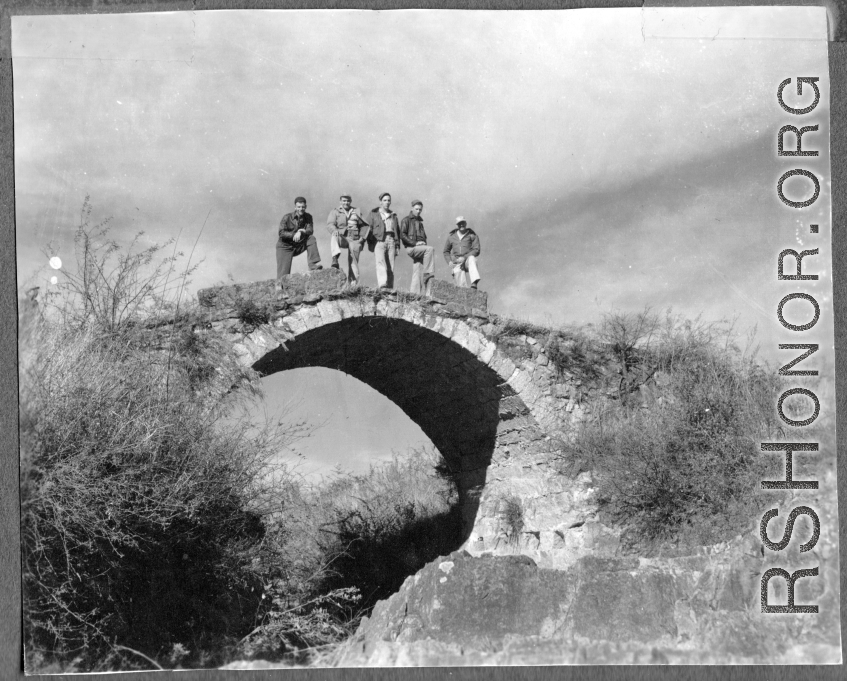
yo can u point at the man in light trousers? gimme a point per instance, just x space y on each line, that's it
349 230
461 252
413 236
382 240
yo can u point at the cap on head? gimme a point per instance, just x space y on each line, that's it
460 220
299 199
417 203
345 196
383 195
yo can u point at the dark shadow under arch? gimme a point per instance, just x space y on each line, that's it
441 386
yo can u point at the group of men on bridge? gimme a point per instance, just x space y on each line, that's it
383 232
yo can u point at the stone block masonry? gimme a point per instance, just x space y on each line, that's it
493 411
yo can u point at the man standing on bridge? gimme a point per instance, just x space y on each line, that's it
414 239
349 230
296 234
382 240
461 252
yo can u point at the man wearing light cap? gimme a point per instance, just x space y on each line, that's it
461 252
383 241
347 229
414 239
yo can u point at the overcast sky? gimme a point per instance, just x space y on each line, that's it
608 159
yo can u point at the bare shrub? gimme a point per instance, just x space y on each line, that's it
624 332
377 529
144 500
686 466
113 284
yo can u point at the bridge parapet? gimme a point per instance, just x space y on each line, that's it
331 284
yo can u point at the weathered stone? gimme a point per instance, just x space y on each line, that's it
519 380
265 342
329 311
562 390
481 602
502 365
348 307
311 317
465 297
295 323
530 393
474 342
311 283
486 352
446 327
389 308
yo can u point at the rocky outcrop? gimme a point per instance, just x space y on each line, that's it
466 610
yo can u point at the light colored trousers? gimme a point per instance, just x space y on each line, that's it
423 268
384 252
354 249
465 270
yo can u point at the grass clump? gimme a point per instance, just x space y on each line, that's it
507 327
250 312
377 529
512 514
684 468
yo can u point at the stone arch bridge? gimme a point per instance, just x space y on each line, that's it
497 414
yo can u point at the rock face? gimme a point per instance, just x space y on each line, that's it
478 602
462 609
489 397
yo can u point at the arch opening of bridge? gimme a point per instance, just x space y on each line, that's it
491 408
444 388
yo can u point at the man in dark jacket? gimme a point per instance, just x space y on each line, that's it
296 234
413 236
347 229
461 252
382 240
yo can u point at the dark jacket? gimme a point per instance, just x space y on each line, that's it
377 228
456 247
291 224
412 230
337 220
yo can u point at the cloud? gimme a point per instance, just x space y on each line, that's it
609 168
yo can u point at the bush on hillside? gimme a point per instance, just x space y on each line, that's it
144 501
685 467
